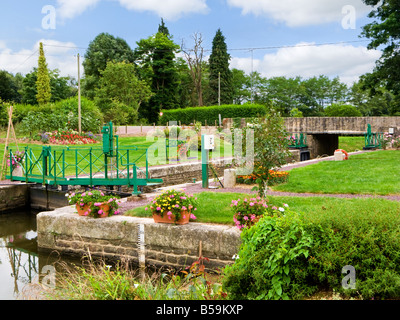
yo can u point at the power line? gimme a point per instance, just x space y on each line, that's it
37 51
239 49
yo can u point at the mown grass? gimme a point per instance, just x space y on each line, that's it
351 144
369 173
214 207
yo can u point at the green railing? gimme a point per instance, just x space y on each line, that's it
298 140
84 166
373 140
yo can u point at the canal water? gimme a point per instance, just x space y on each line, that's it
20 261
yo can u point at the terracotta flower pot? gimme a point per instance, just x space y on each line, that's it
171 219
106 209
83 211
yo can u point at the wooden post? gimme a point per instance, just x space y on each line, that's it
9 130
79 98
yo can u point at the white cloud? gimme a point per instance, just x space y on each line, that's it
59 55
69 9
168 9
343 60
300 12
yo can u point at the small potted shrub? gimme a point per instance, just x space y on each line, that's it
173 206
94 203
247 212
16 162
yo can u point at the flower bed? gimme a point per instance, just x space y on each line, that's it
274 177
65 137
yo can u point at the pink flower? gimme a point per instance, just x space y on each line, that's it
245 218
184 208
98 204
177 206
251 204
117 212
169 213
100 211
158 209
192 216
146 209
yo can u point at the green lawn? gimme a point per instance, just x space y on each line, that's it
214 207
369 173
351 144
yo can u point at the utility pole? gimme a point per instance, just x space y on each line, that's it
252 75
219 88
79 97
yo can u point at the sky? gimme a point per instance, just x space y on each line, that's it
287 38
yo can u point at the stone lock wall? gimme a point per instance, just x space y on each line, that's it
14 197
117 238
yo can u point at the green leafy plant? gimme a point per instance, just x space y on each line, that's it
266 266
270 147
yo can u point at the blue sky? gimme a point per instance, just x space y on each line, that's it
286 35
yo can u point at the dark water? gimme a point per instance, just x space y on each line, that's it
20 262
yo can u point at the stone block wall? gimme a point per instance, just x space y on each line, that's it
14 197
116 238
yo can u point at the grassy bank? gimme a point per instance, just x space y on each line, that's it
369 173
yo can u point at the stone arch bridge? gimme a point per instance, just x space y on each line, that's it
323 132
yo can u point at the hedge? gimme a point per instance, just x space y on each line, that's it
296 255
211 114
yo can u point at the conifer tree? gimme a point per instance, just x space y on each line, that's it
43 79
220 74
155 57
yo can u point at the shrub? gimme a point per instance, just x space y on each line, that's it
270 147
267 266
294 255
342 110
211 114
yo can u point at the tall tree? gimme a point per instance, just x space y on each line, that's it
220 74
9 87
385 32
194 58
43 79
155 58
121 93
101 50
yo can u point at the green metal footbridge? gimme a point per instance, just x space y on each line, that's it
108 165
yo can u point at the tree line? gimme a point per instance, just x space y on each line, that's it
130 84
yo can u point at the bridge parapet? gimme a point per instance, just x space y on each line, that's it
342 125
